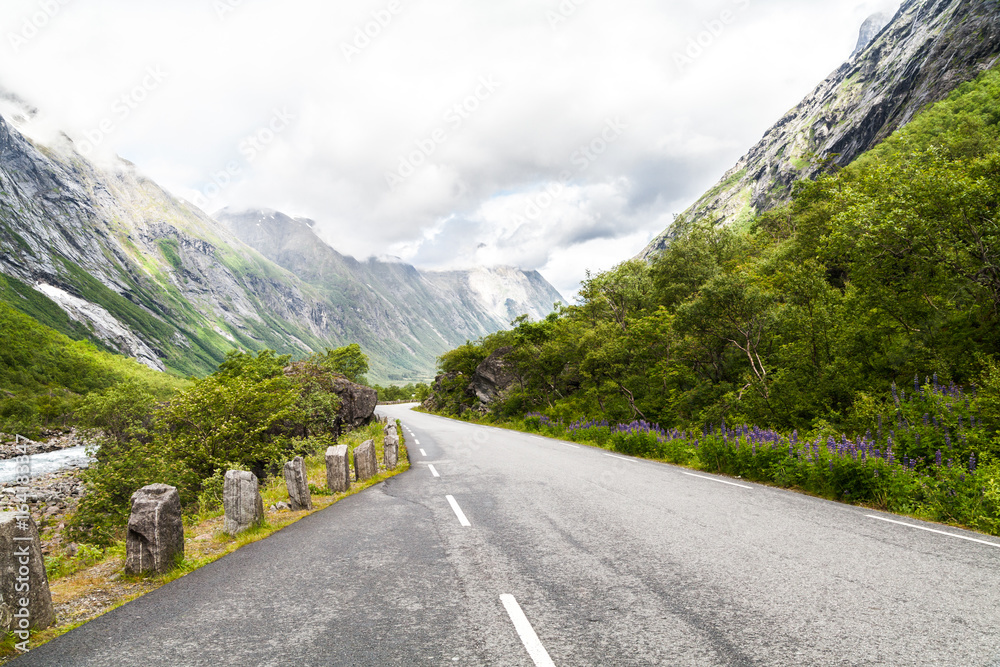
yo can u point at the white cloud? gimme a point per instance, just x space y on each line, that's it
415 92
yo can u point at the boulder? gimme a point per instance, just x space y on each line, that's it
338 469
357 402
155 533
242 501
365 461
390 450
299 497
492 377
21 563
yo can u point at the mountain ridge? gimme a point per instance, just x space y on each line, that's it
182 286
928 49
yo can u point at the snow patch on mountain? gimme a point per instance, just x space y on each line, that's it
104 325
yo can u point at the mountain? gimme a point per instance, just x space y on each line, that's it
928 49
408 316
99 251
870 29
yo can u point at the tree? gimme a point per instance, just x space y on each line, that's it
349 361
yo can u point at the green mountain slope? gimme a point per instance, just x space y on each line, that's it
143 273
926 50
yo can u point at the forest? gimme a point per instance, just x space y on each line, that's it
863 315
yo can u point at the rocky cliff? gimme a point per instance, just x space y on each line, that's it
928 49
147 275
409 315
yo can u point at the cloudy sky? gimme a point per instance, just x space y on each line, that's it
558 135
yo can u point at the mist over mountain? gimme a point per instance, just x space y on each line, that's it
924 52
144 273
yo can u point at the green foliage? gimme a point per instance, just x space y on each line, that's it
349 361
254 413
887 269
44 375
410 392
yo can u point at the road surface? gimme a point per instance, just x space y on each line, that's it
500 548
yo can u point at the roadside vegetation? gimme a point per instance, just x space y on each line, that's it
44 375
257 411
846 344
92 582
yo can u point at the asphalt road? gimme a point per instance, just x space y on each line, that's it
571 556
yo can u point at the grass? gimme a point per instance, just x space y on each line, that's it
92 584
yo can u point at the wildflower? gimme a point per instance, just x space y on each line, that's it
972 462
937 457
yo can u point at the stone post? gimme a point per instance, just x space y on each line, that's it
298 484
155 530
21 563
390 451
365 461
338 469
242 502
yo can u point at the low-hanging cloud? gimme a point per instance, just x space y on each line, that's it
558 135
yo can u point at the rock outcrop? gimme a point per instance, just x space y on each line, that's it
357 402
25 599
870 29
492 377
927 50
242 502
155 534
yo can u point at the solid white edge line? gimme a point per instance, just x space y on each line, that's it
621 458
423 453
527 634
458 511
430 466
568 445
931 530
720 481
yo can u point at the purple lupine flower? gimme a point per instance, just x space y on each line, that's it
895 395
937 457
947 437
935 420
950 462
916 384
926 420
972 462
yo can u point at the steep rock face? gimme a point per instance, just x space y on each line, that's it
161 276
406 317
154 278
928 49
870 29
